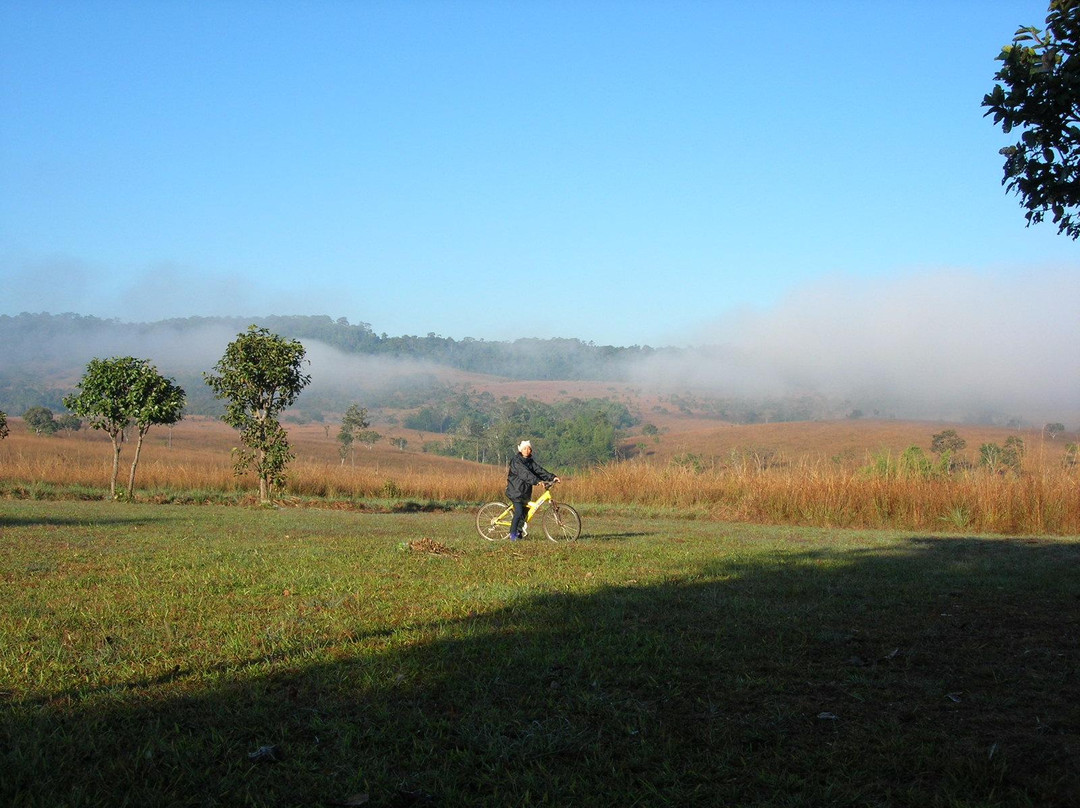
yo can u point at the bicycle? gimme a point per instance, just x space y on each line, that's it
560 522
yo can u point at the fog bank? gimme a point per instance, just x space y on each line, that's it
943 344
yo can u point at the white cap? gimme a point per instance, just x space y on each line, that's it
523 445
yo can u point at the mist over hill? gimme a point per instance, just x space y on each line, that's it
196 343
44 355
752 371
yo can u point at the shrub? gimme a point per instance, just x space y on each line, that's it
40 420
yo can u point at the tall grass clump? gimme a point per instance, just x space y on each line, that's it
908 494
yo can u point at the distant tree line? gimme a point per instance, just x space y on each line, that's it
571 434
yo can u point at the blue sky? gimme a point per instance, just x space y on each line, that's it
625 173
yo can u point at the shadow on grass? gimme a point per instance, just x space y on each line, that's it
615 535
931 672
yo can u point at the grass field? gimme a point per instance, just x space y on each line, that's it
148 652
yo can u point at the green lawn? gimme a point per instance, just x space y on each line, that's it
147 651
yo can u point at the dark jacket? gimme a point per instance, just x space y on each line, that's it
522 474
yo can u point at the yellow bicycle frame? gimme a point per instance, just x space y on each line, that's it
535 506
507 516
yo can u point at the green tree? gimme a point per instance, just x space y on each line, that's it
1053 430
120 392
368 437
946 444
353 423
40 420
587 439
469 433
914 463
1042 74
3 425
1002 458
428 419
1012 454
259 376
991 457
946 441
68 422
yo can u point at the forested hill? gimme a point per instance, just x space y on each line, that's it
51 338
42 356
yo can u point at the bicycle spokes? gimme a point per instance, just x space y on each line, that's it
561 523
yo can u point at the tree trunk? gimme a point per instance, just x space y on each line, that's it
134 463
115 465
264 483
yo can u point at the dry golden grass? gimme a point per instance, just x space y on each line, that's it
809 493
852 440
196 455
800 474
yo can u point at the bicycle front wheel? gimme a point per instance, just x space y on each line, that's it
493 521
562 523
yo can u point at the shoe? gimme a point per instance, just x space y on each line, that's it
514 537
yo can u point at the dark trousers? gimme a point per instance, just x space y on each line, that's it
518 522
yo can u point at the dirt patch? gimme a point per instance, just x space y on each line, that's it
431 547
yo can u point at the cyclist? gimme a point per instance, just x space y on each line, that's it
522 474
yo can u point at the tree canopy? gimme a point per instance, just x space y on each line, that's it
353 424
258 377
40 420
946 441
116 393
1041 98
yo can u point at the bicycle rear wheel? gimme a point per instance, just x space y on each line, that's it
489 524
562 523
